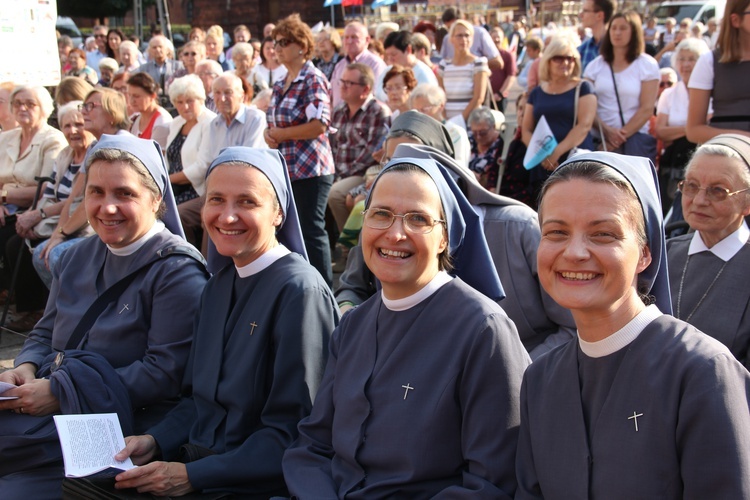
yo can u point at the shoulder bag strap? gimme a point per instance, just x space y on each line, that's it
617 94
112 293
575 104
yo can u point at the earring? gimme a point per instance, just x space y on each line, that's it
300 52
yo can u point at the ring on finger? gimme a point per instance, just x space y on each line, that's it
21 410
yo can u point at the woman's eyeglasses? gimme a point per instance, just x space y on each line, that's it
348 83
282 42
26 104
414 222
665 84
713 193
88 107
563 59
395 88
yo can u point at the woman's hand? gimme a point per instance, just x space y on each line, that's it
3 214
34 398
22 374
614 137
25 223
53 241
271 137
159 478
140 449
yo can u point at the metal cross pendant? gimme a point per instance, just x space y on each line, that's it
408 388
124 308
253 324
634 418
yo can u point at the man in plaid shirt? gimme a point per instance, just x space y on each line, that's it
360 122
595 14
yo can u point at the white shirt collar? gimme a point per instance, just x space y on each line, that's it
726 248
621 337
263 261
440 279
137 244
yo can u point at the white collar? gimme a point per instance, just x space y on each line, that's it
726 248
622 337
137 244
440 279
263 261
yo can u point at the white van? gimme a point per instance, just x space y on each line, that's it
697 10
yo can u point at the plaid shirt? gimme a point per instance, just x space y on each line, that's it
356 137
588 50
306 99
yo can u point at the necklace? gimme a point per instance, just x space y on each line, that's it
705 294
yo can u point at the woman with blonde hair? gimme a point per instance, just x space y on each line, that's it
465 77
215 46
327 50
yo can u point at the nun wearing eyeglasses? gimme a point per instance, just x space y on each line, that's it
420 394
260 343
641 405
708 269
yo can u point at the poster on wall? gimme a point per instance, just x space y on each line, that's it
29 41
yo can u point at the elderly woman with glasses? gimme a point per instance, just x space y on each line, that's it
486 146
26 152
398 82
708 268
420 395
298 119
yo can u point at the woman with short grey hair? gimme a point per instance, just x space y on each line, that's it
188 134
486 147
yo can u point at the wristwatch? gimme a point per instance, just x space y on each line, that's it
64 235
42 213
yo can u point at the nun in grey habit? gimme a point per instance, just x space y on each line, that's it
641 405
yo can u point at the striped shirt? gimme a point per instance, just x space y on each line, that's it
458 82
65 185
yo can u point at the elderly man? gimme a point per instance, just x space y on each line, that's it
161 65
356 40
93 58
361 122
595 15
399 49
235 125
209 70
482 45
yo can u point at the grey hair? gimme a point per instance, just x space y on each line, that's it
66 109
482 114
672 74
693 45
430 91
42 96
127 45
108 63
234 81
112 155
243 49
722 152
190 86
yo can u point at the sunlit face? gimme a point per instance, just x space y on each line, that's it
73 129
397 92
355 40
207 76
140 100
242 63
188 107
403 261
190 57
213 49
107 74
484 133
715 220
461 38
76 62
268 52
227 98
241 36
423 105
157 48
561 67
5 111
590 256
497 37
26 109
119 208
588 14
620 32
395 56
686 60
100 36
128 57
63 51
323 46
241 213
114 41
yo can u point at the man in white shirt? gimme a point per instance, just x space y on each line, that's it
93 58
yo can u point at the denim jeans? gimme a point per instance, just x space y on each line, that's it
311 199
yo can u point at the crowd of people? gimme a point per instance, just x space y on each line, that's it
573 326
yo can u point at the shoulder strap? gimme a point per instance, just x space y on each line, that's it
575 103
617 94
112 293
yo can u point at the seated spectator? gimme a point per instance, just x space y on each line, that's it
143 98
422 50
243 59
129 57
243 400
215 46
128 358
516 180
398 82
78 68
161 63
188 134
327 51
107 68
399 51
269 71
64 46
209 70
486 147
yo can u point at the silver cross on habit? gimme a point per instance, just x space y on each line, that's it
124 308
634 418
253 324
407 388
